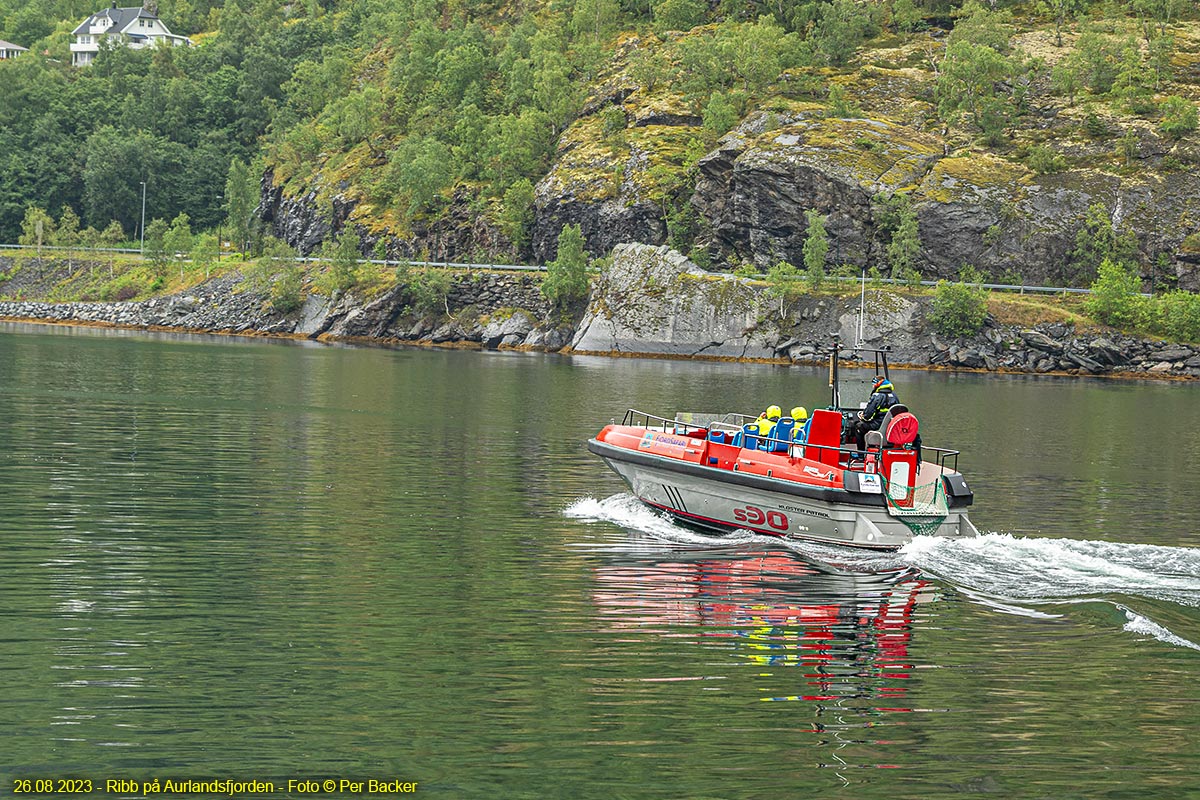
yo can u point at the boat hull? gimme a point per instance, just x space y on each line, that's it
719 500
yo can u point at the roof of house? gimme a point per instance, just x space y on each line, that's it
120 17
10 46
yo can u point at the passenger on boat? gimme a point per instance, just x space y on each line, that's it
800 432
766 420
883 397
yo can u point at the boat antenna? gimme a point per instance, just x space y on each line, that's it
862 308
833 373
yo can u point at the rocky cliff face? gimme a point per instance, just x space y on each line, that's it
652 300
972 208
460 234
754 187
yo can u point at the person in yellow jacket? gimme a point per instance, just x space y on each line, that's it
766 420
800 432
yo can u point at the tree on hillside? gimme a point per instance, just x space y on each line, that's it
342 254
906 17
1098 54
178 240
66 235
840 27
719 115
566 278
1158 12
241 198
37 229
110 237
205 250
595 18
967 89
678 15
1098 240
1159 53
979 82
156 247
1063 11
1114 299
420 169
516 213
958 309
1179 117
1133 81
816 247
1066 78
905 243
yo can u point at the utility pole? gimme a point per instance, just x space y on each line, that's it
220 245
143 218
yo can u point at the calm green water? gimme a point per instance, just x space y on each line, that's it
243 559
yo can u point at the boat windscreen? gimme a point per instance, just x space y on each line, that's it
855 391
699 419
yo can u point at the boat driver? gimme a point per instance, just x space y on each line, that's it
883 397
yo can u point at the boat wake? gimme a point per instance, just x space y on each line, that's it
628 512
1050 569
1011 574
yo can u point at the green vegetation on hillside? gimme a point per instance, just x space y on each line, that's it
406 113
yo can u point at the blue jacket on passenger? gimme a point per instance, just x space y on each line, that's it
882 399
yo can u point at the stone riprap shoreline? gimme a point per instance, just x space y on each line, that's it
651 301
485 309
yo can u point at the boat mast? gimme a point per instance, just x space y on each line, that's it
833 373
862 309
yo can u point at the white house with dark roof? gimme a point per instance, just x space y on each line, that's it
131 27
10 50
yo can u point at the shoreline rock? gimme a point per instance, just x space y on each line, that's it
652 302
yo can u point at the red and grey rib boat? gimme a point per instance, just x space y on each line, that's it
717 472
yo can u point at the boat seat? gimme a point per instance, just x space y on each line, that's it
898 408
899 429
874 442
781 434
750 436
824 436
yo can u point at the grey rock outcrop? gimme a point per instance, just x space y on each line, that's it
652 300
459 234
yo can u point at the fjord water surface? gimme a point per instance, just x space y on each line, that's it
254 560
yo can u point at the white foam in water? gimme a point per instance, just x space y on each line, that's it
996 567
1027 568
627 511
1139 624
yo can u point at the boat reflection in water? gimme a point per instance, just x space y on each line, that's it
848 632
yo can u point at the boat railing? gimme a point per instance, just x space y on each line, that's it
946 459
646 420
686 422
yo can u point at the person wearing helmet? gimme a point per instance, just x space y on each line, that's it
800 432
766 420
883 397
